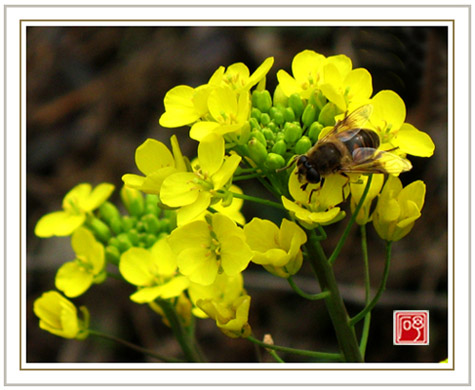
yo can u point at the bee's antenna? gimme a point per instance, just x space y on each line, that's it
292 161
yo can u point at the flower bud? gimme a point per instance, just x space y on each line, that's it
279 97
289 115
256 113
274 161
133 236
327 114
265 119
303 145
227 200
128 223
277 115
309 115
314 131
123 242
280 147
100 229
292 133
112 254
152 223
254 123
268 134
150 239
151 204
116 225
108 211
133 200
259 137
257 151
263 100
296 103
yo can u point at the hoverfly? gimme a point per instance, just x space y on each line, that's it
348 148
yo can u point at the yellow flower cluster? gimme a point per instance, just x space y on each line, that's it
187 241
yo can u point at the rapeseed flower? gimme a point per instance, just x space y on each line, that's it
316 205
59 316
75 277
398 208
389 113
357 188
207 248
156 162
153 271
78 203
226 302
276 249
193 192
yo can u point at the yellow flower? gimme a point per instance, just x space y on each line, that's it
398 208
156 162
77 203
232 209
195 191
182 307
314 205
206 248
153 271
226 302
357 188
278 250
346 87
389 113
229 113
59 316
185 105
307 67
237 75
75 277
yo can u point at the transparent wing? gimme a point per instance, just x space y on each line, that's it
352 123
370 160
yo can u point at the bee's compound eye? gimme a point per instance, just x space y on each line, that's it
312 175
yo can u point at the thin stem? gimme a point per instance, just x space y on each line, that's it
258 200
367 319
322 232
277 358
345 333
303 352
134 346
183 337
382 287
311 297
343 237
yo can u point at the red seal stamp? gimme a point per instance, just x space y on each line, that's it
411 327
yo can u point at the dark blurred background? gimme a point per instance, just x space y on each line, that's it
95 93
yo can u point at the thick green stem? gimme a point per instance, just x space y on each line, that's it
345 333
187 344
133 346
382 287
367 319
303 352
258 200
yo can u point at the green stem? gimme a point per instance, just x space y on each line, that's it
183 337
303 352
312 297
258 200
277 358
247 177
382 287
367 319
342 240
345 333
134 346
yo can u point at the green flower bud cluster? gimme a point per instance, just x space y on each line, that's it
142 226
283 127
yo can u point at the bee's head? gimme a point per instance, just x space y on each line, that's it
306 170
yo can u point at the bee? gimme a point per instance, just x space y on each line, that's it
348 148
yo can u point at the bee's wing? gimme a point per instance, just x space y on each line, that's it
371 160
351 124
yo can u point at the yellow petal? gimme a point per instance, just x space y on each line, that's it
194 210
179 189
73 279
211 154
153 155
412 141
58 223
179 107
97 197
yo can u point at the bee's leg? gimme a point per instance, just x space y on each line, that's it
316 189
304 186
344 185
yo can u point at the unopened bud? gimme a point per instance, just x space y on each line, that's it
309 115
108 211
124 242
274 161
327 114
279 97
280 147
263 100
296 103
277 115
152 223
100 229
151 204
112 254
289 114
292 133
303 145
314 131
133 200
265 119
257 151
128 223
